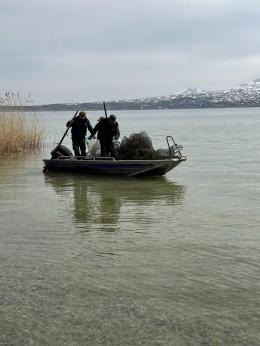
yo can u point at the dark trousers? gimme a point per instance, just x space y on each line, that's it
107 148
79 146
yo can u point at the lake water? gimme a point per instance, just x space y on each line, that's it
173 260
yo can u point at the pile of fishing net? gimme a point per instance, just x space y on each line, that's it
138 146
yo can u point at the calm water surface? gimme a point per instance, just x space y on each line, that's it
173 260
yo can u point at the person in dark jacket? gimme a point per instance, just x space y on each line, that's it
79 126
107 130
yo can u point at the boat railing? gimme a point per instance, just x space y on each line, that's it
174 148
107 158
66 157
63 157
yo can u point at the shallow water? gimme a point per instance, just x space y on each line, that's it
172 260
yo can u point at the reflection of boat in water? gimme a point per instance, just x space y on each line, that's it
170 158
100 199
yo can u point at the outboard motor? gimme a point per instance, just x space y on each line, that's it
62 151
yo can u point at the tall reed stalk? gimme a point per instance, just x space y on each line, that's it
18 132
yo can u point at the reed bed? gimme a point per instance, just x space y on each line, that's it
18 132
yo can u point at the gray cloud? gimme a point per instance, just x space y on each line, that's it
89 50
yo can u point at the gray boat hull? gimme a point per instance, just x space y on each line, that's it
113 167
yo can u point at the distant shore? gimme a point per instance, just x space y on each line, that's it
112 107
244 96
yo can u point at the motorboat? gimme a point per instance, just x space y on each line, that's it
65 161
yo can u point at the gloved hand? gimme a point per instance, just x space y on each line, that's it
69 123
115 139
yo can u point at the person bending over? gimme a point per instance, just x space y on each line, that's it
107 129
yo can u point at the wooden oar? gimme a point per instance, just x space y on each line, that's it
45 168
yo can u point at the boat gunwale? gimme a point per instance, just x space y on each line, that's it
74 159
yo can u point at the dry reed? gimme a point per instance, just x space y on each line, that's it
18 132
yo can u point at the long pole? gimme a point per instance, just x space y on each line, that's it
105 109
45 168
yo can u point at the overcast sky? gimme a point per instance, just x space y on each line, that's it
88 50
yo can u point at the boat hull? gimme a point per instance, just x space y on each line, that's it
113 167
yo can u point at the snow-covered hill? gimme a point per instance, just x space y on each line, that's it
246 95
